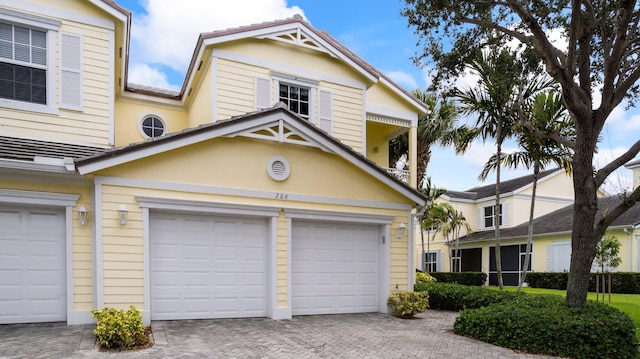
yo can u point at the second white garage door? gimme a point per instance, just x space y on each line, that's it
335 268
207 266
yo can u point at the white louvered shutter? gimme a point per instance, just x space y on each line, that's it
263 93
480 222
70 71
325 111
505 214
440 261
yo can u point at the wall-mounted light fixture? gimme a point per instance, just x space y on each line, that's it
401 228
122 214
83 215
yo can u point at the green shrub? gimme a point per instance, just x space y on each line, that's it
446 296
621 282
408 304
119 328
466 278
545 324
423 277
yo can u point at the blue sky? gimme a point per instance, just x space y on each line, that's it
164 33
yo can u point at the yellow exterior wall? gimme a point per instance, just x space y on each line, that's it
377 144
348 114
381 95
91 124
236 88
129 113
82 236
201 109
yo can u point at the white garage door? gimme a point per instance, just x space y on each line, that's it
207 267
334 268
32 265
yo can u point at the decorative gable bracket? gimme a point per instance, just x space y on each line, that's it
298 37
277 131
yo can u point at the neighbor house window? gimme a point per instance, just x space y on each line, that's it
431 262
153 126
489 216
23 64
296 97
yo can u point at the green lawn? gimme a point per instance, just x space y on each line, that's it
627 303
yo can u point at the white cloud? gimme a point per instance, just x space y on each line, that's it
167 34
144 75
403 79
620 179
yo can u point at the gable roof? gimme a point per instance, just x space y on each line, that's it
559 221
508 186
305 36
633 164
277 123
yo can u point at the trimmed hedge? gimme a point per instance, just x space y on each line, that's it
466 278
447 296
621 282
545 324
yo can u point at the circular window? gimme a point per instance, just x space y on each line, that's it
278 168
152 126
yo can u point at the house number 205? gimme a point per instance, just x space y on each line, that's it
282 196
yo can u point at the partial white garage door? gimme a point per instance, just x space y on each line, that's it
32 265
207 267
335 268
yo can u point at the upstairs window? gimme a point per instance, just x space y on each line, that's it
23 64
297 98
152 126
489 216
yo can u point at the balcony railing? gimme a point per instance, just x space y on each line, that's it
402 175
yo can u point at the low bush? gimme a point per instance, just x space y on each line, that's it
466 278
423 277
447 296
119 328
408 304
621 282
545 324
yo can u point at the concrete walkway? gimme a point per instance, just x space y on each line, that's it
328 336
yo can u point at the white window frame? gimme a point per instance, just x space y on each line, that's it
436 264
311 85
160 118
50 27
492 216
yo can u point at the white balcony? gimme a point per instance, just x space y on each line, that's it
402 175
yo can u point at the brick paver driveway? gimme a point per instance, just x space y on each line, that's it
328 336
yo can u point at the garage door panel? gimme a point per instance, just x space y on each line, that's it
334 268
216 268
32 265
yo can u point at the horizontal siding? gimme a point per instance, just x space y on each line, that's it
200 111
236 88
347 114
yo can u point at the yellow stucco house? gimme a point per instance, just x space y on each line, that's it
551 250
257 190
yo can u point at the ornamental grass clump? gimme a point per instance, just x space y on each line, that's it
121 329
408 304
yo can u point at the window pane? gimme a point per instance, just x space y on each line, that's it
293 91
6 89
39 77
23 92
304 108
147 131
39 94
488 222
157 123
39 39
6 32
39 56
304 95
22 74
6 50
147 122
284 91
22 53
294 106
488 211
21 35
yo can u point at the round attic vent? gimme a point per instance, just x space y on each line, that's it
278 168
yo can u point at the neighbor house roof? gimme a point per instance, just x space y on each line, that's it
559 221
23 149
633 164
505 187
236 125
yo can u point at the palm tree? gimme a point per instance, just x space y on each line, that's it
456 221
433 128
502 86
547 113
431 193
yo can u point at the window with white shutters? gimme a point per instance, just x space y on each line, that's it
70 71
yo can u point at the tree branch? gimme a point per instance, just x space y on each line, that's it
605 171
606 220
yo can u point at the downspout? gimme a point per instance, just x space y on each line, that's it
411 230
630 241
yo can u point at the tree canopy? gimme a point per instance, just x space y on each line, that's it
594 60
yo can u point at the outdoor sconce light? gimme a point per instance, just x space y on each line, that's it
401 229
83 215
122 214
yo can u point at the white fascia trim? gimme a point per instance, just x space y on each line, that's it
419 105
285 68
364 123
207 207
332 216
544 198
394 112
110 10
41 198
262 33
28 19
245 193
36 167
61 13
144 98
